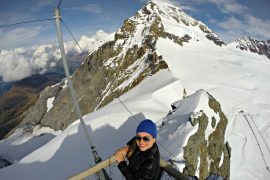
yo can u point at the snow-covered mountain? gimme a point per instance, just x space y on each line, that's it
160 56
122 63
252 45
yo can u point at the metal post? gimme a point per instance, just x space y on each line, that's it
73 95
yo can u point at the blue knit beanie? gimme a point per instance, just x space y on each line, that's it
147 126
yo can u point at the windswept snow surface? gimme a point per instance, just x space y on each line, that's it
239 80
25 141
110 128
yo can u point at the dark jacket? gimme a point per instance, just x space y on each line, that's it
143 165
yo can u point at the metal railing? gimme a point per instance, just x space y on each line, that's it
170 171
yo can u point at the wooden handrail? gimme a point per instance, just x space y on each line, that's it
92 170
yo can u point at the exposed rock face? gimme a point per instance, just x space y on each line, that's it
215 39
13 104
35 114
21 96
253 45
206 152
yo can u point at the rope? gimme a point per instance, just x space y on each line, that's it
25 22
71 35
74 39
59 4
132 115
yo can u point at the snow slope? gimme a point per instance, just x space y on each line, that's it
239 80
110 128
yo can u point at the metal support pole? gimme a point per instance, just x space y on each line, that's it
73 95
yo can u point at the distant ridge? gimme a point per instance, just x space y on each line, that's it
250 44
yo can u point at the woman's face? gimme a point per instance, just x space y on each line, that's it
144 141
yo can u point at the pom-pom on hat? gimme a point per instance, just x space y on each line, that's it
147 126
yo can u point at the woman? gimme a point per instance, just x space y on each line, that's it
142 154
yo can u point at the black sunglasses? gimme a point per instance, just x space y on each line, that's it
144 138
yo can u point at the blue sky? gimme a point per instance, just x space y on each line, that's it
229 19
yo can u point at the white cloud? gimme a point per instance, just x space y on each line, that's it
229 36
93 8
93 42
249 26
41 4
187 8
257 26
14 67
238 20
231 23
20 63
173 2
183 5
228 6
17 36
233 8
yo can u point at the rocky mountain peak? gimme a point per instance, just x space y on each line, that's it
159 19
253 45
122 62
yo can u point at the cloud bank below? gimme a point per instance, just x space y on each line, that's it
19 63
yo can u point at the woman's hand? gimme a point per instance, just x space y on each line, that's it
121 153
